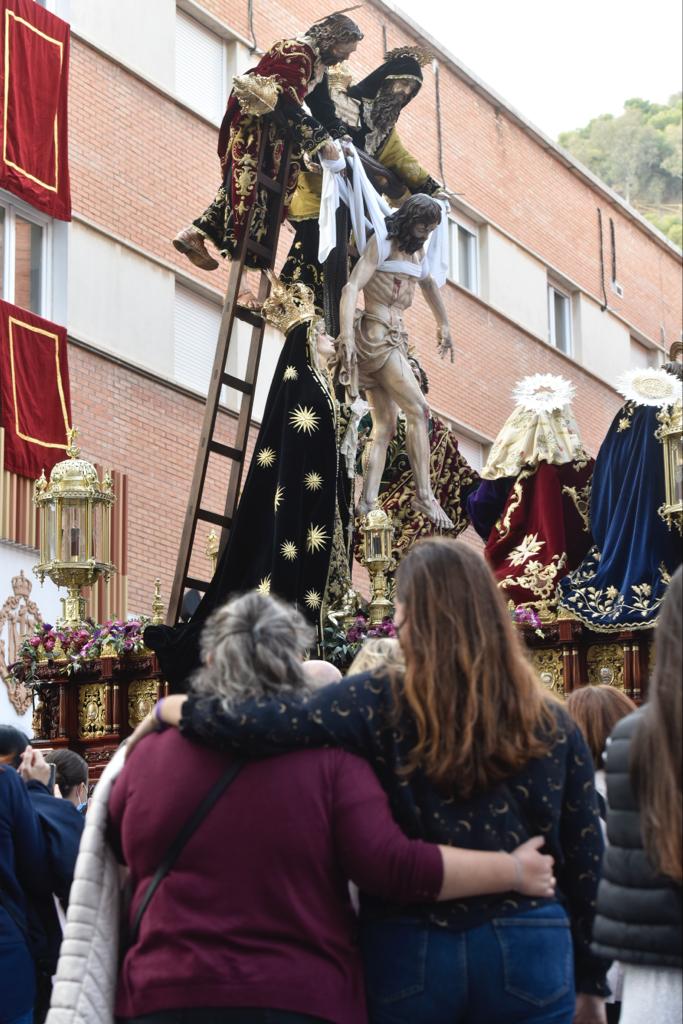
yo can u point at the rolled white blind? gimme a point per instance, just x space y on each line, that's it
200 67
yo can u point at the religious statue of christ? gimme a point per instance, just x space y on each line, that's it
372 348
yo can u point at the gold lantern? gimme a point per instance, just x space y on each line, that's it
75 529
671 434
378 534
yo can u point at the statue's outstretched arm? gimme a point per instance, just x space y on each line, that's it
361 275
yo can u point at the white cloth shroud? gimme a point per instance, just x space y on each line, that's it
367 210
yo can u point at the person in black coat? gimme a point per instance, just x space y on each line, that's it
639 920
39 839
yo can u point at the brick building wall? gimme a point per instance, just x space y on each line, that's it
143 164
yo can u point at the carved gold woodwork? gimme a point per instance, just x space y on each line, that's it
548 664
142 696
92 711
605 664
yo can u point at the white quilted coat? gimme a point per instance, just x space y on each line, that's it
85 982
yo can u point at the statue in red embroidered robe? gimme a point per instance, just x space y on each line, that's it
278 86
531 507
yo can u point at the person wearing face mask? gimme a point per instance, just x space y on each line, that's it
71 778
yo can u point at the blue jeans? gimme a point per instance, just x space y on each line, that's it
512 969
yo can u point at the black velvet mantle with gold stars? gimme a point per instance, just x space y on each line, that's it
287 537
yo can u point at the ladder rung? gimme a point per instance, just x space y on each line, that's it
226 451
236 384
194 584
248 316
259 250
270 183
213 517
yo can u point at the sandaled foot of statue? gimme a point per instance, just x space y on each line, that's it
431 508
190 243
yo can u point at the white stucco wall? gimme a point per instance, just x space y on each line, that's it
120 301
605 343
514 282
139 33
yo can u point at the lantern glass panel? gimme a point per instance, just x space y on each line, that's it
74 531
106 534
49 515
96 536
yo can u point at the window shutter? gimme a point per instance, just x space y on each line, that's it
196 323
199 67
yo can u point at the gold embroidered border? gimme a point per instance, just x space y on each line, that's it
62 401
60 45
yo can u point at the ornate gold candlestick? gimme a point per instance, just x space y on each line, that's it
378 534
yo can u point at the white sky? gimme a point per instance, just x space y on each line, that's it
560 64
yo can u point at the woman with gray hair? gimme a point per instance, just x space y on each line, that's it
254 922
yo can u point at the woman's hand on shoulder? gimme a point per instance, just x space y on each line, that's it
533 869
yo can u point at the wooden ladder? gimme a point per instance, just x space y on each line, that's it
245 387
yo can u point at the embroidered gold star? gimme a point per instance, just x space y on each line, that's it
312 599
288 550
277 500
531 545
304 418
316 538
290 373
264 586
265 458
313 481
624 424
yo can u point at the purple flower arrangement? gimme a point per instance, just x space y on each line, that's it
90 640
341 646
528 617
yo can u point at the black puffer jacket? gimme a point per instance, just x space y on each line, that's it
638 918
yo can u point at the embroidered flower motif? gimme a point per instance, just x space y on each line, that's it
624 424
313 481
531 545
265 458
316 538
288 550
304 419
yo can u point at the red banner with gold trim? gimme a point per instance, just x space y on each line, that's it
34 391
34 55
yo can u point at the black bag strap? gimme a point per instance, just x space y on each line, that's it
181 839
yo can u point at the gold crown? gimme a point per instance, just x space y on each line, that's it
421 54
21 586
287 306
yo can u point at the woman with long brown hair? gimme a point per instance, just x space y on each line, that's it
472 750
639 920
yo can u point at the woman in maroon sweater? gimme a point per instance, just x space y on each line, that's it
254 922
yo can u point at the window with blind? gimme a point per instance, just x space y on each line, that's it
463 261
196 320
24 264
201 67
559 319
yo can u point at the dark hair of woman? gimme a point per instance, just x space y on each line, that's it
656 745
13 743
480 711
71 769
596 710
